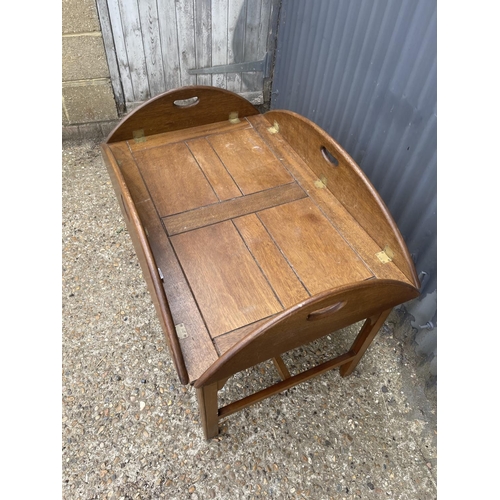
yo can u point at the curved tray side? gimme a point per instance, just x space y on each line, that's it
308 321
162 114
147 262
347 182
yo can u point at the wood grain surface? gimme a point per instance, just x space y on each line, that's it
197 348
278 272
229 287
224 342
130 172
318 254
252 165
156 140
220 179
174 179
236 207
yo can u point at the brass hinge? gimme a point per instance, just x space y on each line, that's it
139 135
386 255
274 129
181 331
321 182
233 117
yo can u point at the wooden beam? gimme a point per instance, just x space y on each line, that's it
281 367
231 408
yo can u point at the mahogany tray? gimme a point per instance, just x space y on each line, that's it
256 234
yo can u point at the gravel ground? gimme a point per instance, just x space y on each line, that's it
130 430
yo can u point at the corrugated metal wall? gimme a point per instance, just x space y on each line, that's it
366 73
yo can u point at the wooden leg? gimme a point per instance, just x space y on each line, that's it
363 340
209 409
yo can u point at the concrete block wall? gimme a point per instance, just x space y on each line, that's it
88 105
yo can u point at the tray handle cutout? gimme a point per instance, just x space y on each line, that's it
187 103
328 156
326 311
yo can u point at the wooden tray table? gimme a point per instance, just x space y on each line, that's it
256 234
